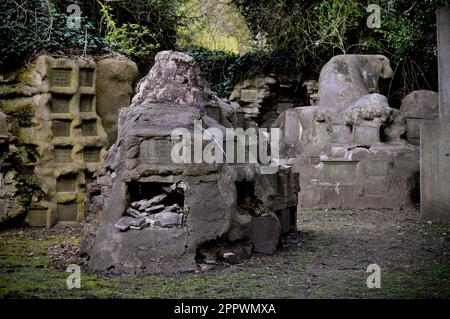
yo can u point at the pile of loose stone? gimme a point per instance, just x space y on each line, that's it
152 212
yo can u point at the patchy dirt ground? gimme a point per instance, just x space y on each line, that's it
327 258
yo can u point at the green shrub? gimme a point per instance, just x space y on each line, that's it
216 67
30 27
314 31
137 28
131 39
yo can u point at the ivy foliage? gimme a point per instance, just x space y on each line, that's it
216 66
30 27
137 28
131 39
314 31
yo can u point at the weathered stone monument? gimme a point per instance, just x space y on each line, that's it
419 107
350 150
150 214
54 109
435 137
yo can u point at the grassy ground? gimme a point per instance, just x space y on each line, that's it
327 258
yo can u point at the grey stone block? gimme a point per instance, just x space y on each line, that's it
265 233
339 170
366 135
435 171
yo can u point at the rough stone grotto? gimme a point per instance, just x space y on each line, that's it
78 157
152 215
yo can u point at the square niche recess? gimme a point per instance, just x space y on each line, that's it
61 77
67 212
60 103
63 155
61 128
89 128
86 103
91 154
66 184
86 77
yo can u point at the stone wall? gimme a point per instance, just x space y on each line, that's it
54 112
263 98
17 181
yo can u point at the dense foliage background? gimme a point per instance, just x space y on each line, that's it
314 31
295 37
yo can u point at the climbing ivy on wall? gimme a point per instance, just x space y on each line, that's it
29 27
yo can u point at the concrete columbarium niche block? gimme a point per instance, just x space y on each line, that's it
59 96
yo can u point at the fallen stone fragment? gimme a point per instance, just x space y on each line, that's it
138 203
211 261
134 213
154 200
167 218
231 258
175 208
125 223
153 222
205 267
182 186
154 209
171 188
137 227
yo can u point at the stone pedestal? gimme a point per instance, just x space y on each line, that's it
435 171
